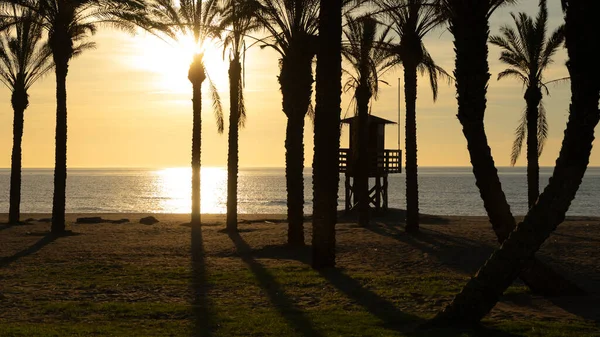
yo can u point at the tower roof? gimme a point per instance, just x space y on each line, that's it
372 119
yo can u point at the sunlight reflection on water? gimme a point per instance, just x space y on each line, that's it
174 186
263 191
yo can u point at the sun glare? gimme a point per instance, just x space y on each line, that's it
171 60
174 189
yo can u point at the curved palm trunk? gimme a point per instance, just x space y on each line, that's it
361 182
412 183
533 97
296 87
235 75
327 134
196 75
471 31
470 28
60 156
480 294
19 103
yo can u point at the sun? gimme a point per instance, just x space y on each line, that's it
171 61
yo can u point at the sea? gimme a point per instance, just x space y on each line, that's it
442 191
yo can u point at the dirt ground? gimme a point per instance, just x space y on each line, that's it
447 245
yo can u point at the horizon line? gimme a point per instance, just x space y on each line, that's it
241 167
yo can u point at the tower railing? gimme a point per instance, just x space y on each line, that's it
380 162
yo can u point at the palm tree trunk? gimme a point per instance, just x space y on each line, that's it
196 152
471 31
470 28
60 166
533 96
235 74
412 182
196 75
327 134
19 103
480 294
296 87
294 167
363 162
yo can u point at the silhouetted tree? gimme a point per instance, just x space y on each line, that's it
482 292
237 21
292 26
467 22
365 51
412 20
195 18
327 133
528 52
24 59
68 23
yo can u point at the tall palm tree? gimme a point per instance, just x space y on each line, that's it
292 27
68 24
327 133
24 59
365 51
528 52
469 24
482 292
196 19
412 20
238 21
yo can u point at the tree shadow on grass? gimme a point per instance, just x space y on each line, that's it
47 239
386 311
201 305
4 226
392 216
586 307
392 317
7 225
460 254
575 237
286 307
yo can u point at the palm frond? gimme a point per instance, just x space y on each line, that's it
542 131
513 73
241 106
216 104
520 133
24 56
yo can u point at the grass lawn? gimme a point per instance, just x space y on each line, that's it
137 280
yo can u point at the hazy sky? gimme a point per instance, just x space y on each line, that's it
129 105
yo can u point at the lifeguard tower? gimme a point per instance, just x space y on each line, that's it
381 162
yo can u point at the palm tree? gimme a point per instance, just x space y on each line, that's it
292 27
412 20
468 23
528 52
68 23
238 16
482 292
327 133
196 19
24 59
369 59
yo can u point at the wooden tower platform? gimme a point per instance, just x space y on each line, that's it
381 163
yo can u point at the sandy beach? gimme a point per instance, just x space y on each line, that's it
381 273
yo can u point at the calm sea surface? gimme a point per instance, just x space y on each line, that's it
443 191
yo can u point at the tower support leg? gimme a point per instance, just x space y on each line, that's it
348 194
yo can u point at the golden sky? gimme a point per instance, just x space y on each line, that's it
129 105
